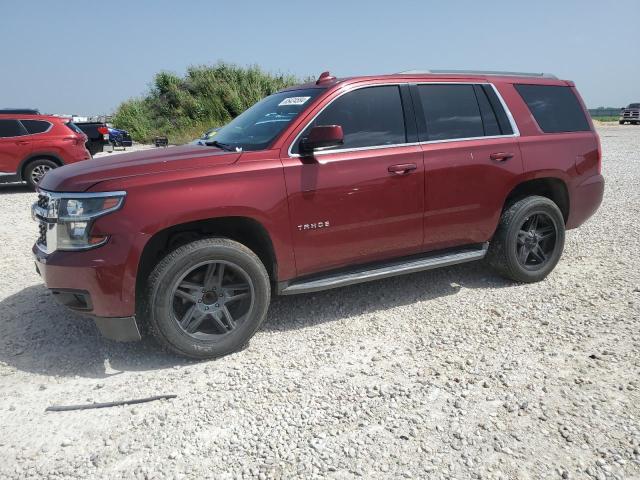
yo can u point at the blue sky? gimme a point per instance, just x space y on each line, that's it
85 57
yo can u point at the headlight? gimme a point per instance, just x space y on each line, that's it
76 217
69 218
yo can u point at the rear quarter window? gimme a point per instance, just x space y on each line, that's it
555 108
35 126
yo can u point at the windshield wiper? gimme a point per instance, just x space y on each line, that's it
223 146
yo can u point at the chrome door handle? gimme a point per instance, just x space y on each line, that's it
402 169
501 156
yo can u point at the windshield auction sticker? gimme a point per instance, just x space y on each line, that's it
294 101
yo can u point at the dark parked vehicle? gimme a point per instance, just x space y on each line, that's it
318 186
31 145
97 135
119 138
630 114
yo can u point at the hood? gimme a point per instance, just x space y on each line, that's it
80 176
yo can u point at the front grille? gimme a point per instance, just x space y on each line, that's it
42 234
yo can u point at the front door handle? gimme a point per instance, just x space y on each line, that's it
22 142
501 156
402 169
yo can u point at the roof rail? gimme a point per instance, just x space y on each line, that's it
480 72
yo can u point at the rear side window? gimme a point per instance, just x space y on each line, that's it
555 108
35 126
369 117
74 127
451 111
11 128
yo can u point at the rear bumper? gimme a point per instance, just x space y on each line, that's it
585 200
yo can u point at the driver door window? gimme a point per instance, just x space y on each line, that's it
369 117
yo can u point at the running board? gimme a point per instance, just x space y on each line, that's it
385 270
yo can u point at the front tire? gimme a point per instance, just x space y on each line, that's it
36 169
529 240
207 298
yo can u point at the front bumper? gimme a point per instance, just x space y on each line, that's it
93 282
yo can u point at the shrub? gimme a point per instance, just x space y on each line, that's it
184 107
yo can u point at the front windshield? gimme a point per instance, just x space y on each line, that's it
258 126
634 105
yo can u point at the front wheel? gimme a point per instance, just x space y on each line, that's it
207 298
529 240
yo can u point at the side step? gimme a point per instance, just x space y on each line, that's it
385 270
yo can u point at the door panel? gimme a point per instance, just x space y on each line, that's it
465 189
12 152
15 145
354 207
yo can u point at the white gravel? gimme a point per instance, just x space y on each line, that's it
453 373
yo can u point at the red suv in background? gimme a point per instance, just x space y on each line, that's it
31 145
318 186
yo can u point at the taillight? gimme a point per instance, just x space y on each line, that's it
103 130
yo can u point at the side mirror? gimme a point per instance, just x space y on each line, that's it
321 137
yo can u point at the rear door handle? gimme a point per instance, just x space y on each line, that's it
501 156
22 142
402 169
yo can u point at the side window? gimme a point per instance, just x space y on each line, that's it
35 126
498 110
11 128
369 117
451 111
489 119
555 108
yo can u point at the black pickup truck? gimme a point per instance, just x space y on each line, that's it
97 134
630 114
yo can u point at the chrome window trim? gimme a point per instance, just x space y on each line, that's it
512 122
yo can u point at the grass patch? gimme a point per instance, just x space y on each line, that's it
606 118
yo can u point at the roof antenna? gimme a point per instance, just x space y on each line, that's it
325 77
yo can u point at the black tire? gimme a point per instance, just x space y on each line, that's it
35 170
217 335
516 238
621 122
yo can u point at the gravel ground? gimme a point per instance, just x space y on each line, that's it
453 373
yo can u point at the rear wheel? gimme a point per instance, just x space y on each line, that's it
36 169
207 298
529 240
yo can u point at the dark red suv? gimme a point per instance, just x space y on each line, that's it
31 145
318 186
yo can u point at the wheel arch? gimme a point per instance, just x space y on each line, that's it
245 230
553 188
35 156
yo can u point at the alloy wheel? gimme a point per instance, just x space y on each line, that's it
536 241
212 299
38 172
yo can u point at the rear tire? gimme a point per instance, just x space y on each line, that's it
36 169
207 298
529 240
